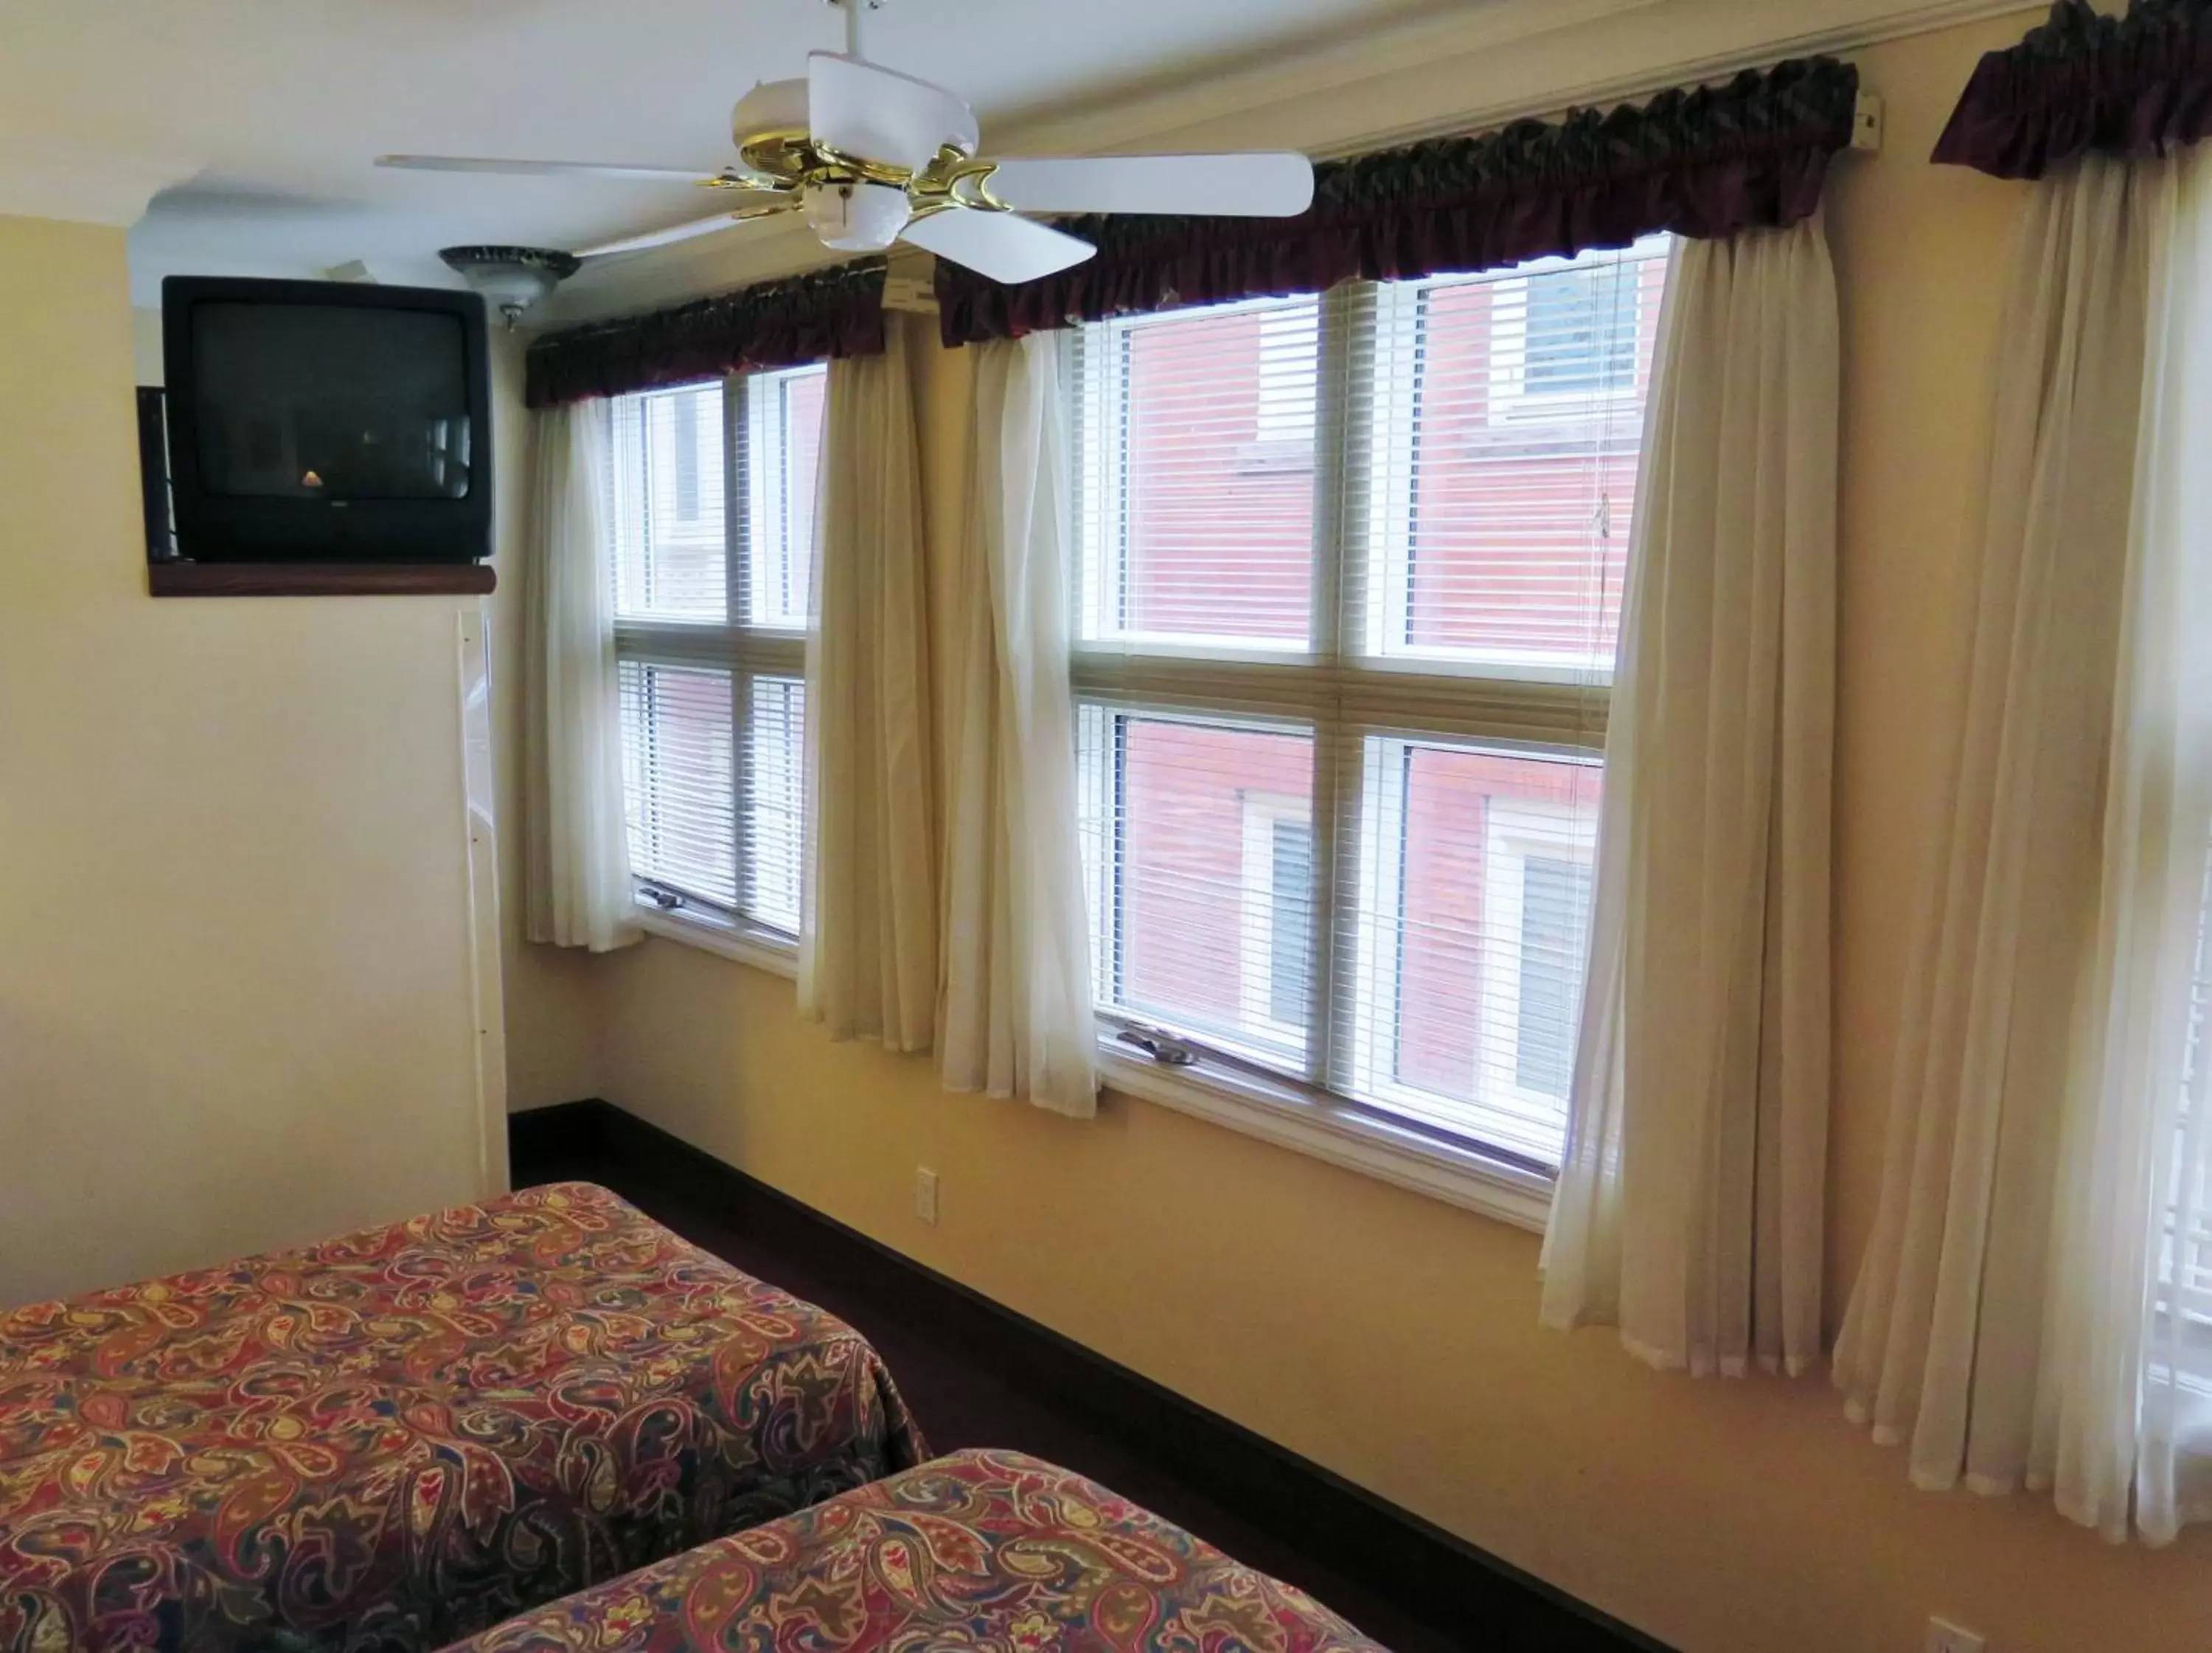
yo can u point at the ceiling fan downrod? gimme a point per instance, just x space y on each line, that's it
856 12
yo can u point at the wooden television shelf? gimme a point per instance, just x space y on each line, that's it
177 578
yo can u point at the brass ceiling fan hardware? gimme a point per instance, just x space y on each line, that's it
872 157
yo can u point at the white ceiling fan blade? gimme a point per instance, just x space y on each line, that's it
997 243
684 232
456 163
876 114
1213 186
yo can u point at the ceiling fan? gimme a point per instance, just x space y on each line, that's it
871 156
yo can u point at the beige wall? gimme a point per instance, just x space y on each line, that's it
551 1032
1393 1338
235 983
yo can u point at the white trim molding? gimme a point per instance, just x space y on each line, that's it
1467 68
1703 50
1374 51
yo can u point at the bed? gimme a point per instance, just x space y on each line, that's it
991 1551
392 1440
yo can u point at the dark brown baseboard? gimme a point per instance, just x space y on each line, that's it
1389 1550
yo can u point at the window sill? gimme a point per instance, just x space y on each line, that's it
1284 1114
763 949
1296 1119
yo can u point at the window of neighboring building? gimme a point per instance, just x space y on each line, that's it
1340 719
1563 330
711 512
1581 331
689 460
1554 909
1275 887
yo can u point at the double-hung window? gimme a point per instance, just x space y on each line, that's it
1351 574
711 502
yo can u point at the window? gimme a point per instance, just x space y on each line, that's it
1567 329
1351 577
711 513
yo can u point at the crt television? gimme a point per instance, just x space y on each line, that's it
327 422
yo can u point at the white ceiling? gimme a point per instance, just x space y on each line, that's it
272 110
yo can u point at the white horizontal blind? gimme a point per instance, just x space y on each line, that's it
1200 851
1490 518
670 559
1467 918
779 448
2186 1274
712 498
1351 582
680 778
775 814
1197 478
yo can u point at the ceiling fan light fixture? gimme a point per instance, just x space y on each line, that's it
857 217
511 278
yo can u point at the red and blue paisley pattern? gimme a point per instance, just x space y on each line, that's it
389 1441
981 1551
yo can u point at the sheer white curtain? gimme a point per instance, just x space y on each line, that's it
1016 1017
576 879
2031 1308
1689 1208
867 950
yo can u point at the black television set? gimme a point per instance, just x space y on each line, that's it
326 422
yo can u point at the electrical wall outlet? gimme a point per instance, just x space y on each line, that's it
1944 1636
924 1193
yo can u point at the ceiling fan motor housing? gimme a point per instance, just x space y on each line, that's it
771 109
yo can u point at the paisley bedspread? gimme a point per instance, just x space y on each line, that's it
392 1440
986 1551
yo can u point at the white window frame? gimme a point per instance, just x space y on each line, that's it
625 505
753 507
1514 829
1104 562
1341 686
1095 782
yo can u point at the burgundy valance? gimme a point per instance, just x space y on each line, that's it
1704 161
826 312
2137 84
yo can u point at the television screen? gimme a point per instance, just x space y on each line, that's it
325 422
331 402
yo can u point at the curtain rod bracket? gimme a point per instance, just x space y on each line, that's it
1866 123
